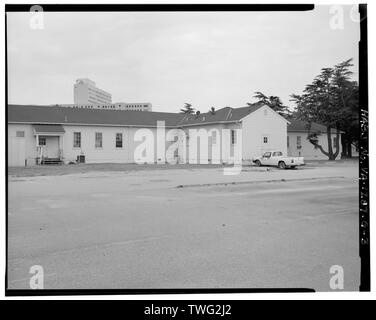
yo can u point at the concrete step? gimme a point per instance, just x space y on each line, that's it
47 161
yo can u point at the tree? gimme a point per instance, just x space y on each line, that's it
273 102
188 109
329 100
347 96
350 124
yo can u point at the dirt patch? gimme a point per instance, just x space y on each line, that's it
103 167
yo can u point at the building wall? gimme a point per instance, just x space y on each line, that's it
109 152
307 149
220 149
21 148
263 123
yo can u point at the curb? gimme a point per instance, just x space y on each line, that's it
254 182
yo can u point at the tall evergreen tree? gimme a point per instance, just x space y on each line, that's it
273 102
331 100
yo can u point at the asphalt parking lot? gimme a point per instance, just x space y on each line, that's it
185 228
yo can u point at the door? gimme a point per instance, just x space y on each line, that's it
50 146
266 159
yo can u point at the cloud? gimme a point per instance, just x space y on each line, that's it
167 58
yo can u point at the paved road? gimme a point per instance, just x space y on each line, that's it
137 230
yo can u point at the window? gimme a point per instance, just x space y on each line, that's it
20 134
119 140
265 139
334 141
298 142
267 154
76 139
214 137
288 142
42 141
98 139
233 139
277 154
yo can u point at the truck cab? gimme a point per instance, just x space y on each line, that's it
277 159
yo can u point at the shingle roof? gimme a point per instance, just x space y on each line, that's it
226 114
302 126
66 115
51 128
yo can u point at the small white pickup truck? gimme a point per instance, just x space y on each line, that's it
276 158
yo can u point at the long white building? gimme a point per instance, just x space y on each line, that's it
298 144
38 134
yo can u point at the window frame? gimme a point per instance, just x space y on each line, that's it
39 141
98 134
116 140
75 135
299 141
233 136
214 137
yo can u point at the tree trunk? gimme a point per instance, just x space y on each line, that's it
349 149
337 144
330 146
344 146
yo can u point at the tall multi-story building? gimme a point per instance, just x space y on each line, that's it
85 92
88 96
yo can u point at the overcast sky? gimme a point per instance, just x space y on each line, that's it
207 59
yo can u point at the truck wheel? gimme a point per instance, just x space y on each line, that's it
258 163
281 165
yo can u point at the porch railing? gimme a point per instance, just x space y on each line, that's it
40 154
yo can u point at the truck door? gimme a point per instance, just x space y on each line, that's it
266 158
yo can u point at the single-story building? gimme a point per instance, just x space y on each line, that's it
50 134
299 145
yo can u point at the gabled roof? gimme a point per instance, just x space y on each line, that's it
67 115
302 126
223 115
70 115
